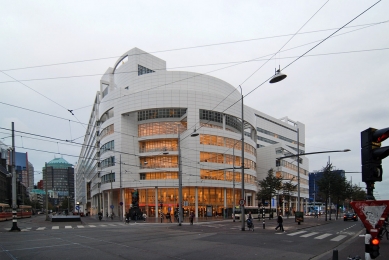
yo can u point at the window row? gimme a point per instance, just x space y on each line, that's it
107 131
293 167
107 115
226 176
105 90
226 159
143 70
158 145
159 162
161 113
110 177
263 139
110 161
226 142
278 136
161 128
158 175
234 122
210 126
109 146
211 115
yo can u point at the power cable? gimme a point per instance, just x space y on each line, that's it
182 48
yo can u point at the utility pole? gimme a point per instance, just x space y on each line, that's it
14 204
47 195
120 195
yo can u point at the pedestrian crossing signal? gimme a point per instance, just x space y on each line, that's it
374 248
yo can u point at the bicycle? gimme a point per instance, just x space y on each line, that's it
383 231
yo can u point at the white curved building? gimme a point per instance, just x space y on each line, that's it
144 113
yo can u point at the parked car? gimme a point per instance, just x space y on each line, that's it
350 216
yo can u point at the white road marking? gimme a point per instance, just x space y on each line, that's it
323 236
296 233
92 225
310 234
41 228
80 226
338 238
68 226
55 227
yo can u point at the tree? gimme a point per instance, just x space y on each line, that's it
268 187
287 191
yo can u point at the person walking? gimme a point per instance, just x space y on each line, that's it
144 216
280 220
191 217
161 217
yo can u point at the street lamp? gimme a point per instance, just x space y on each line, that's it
298 164
233 181
180 213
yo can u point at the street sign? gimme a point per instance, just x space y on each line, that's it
77 207
372 213
121 203
111 206
241 202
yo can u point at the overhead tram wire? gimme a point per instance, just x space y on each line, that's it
234 65
183 48
251 60
314 46
78 144
284 44
95 159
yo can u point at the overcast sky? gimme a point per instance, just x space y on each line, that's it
54 53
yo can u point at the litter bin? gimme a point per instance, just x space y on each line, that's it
299 217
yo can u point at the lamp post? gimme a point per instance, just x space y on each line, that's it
242 148
233 182
298 164
14 200
180 212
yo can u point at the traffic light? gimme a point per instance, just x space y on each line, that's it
374 248
372 153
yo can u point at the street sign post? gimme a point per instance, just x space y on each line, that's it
112 206
241 202
372 213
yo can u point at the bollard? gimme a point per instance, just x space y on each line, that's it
263 224
335 254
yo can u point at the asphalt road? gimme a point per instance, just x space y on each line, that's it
223 239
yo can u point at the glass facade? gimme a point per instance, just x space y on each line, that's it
107 115
158 145
208 197
159 162
158 175
226 159
161 128
107 131
161 113
226 142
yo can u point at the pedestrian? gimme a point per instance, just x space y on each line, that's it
280 225
191 217
144 216
161 217
169 217
128 217
136 216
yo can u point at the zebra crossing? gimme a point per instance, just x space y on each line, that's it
316 235
27 229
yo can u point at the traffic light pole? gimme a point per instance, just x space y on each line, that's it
14 204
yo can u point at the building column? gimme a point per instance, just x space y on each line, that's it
225 203
156 202
103 198
196 202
